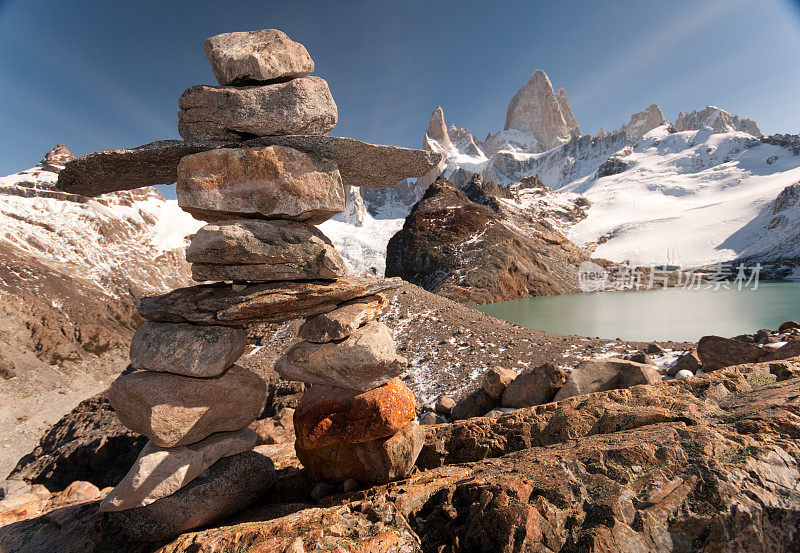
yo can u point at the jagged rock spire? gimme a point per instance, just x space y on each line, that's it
437 131
537 110
56 158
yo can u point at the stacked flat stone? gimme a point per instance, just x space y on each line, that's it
260 259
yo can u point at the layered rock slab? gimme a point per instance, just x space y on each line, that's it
327 415
299 106
364 360
228 486
375 462
159 472
360 163
343 321
263 250
269 302
249 57
174 410
184 349
272 182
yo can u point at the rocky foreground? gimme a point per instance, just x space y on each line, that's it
704 464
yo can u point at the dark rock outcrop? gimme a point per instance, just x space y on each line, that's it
472 253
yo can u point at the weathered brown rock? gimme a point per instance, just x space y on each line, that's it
716 352
474 404
360 163
342 322
364 360
228 486
327 416
256 56
175 410
77 492
269 303
258 250
600 375
496 380
159 472
270 182
788 325
189 350
444 405
689 361
299 106
278 429
534 386
374 462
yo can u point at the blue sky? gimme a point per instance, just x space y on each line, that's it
99 75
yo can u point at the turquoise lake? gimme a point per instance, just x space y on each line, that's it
672 314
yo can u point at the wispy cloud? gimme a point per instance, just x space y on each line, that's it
651 45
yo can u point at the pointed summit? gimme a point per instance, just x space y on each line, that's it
569 118
436 132
56 158
536 110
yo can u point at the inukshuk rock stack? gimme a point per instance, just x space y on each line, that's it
268 263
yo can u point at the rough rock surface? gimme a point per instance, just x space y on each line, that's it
266 303
173 410
360 163
716 118
716 352
159 472
536 110
534 386
343 321
184 349
475 404
600 375
224 113
643 122
365 359
467 252
374 462
126 168
566 112
277 250
271 182
87 444
705 464
252 57
496 380
228 486
327 415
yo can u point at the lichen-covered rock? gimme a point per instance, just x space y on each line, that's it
374 462
251 57
327 415
184 349
224 113
273 182
173 410
364 360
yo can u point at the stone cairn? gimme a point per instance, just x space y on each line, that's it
258 167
